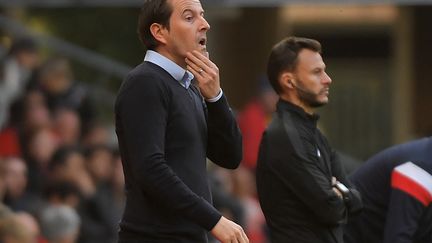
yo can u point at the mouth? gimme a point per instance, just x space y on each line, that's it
202 42
325 91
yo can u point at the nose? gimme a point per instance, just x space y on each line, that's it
204 25
327 79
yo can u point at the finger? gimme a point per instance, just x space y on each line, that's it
196 71
244 237
200 60
196 63
193 66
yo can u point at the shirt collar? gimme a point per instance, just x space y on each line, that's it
183 76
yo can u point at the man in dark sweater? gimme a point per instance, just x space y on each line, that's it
396 187
302 187
170 115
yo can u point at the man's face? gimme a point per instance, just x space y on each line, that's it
310 79
187 31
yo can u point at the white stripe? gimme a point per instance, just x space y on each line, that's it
417 174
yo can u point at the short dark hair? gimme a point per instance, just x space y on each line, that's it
283 57
153 11
23 44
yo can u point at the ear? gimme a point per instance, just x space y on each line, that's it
285 80
158 32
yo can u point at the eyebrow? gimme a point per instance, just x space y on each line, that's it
188 9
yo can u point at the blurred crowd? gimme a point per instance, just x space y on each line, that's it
61 177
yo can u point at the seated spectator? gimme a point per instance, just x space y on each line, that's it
60 224
16 195
62 193
253 120
67 126
13 230
16 68
95 134
41 145
57 83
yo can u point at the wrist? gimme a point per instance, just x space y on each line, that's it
216 97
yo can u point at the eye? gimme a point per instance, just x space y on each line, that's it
189 18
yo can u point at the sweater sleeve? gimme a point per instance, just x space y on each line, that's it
141 113
224 145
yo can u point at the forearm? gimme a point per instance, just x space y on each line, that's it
224 137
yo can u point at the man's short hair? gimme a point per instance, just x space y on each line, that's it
153 11
23 44
283 57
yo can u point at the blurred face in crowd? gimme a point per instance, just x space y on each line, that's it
16 177
30 224
42 146
28 59
310 81
67 126
186 32
56 76
100 165
36 113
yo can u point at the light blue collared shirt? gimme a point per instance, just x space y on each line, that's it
184 77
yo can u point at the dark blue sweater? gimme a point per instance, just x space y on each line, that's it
165 133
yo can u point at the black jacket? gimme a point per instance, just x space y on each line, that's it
294 179
165 133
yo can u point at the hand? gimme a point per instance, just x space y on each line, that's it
206 73
334 180
339 193
227 231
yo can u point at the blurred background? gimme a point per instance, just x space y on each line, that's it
62 62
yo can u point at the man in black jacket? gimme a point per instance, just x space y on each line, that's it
302 188
170 115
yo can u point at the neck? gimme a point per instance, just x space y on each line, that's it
296 101
179 61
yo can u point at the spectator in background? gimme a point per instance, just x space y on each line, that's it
68 165
396 187
2 181
16 197
56 81
67 126
15 71
100 165
244 188
41 145
62 193
253 120
29 222
34 116
13 230
95 134
60 224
